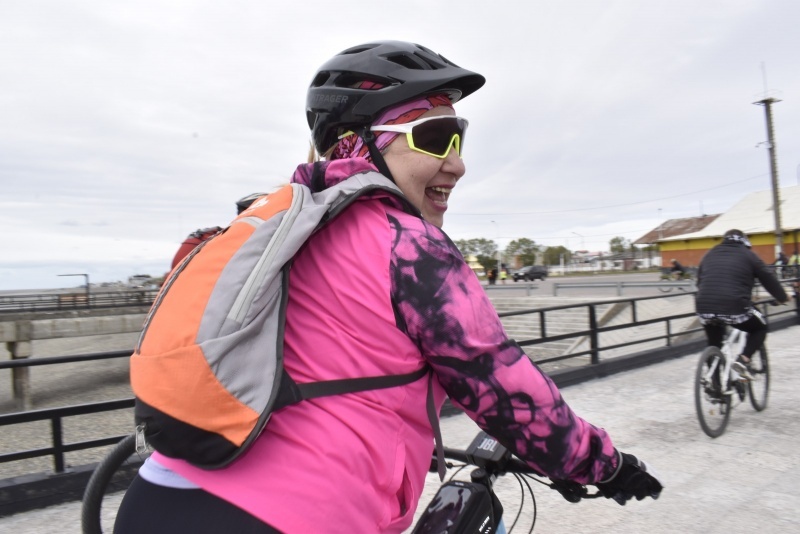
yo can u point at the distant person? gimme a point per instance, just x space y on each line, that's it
794 265
203 234
677 271
725 281
493 276
503 274
780 264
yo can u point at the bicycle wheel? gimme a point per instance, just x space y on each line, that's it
713 405
666 287
112 475
759 385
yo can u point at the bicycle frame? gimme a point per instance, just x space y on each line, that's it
732 345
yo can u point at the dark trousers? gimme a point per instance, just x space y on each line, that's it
151 509
755 327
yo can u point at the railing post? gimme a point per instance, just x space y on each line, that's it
619 289
542 325
797 298
594 336
669 332
58 444
20 348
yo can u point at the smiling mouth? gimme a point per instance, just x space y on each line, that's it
438 195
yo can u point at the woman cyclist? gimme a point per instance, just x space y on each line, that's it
357 462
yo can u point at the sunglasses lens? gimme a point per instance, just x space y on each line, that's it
436 136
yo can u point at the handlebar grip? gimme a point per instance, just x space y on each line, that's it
571 491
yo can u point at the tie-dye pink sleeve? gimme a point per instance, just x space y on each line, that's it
443 308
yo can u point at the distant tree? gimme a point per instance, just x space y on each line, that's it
525 249
485 250
619 245
552 255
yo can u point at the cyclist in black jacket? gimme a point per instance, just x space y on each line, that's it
725 281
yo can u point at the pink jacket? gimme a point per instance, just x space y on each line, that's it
380 291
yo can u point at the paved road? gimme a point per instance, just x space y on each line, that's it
747 480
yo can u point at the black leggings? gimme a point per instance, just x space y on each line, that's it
151 509
756 334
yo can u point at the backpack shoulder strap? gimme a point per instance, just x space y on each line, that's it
292 392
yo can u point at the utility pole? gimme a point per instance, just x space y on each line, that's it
773 167
499 254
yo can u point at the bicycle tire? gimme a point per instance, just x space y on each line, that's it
758 387
102 481
712 404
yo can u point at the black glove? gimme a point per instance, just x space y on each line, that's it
633 478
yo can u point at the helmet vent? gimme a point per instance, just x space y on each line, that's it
320 79
430 63
357 49
408 61
355 80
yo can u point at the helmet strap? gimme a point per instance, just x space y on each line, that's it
377 158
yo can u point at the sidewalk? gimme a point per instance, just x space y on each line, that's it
747 480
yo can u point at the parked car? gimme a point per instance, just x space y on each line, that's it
531 273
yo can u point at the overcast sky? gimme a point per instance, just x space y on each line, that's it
126 125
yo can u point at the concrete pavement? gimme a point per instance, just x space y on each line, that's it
747 480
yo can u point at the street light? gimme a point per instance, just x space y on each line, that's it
583 246
86 278
660 225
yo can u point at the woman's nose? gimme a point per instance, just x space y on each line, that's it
453 164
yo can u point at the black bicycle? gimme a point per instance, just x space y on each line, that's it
458 507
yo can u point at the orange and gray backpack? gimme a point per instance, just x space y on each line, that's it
207 370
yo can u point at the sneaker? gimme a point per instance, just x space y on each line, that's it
742 370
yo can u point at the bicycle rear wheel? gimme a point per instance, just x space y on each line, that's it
759 385
713 405
112 475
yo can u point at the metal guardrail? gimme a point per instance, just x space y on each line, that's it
687 286
620 286
33 362
77 300
55 415
528 287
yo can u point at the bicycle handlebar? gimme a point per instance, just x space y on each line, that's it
499 462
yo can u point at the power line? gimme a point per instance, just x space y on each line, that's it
611 205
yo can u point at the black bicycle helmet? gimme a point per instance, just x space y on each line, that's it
737 236
334 103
